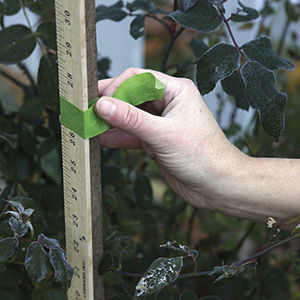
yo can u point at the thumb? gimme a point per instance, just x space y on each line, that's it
129 118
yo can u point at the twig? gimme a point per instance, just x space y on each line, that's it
262 252
27 73
170 46
148 15
225 20
12 79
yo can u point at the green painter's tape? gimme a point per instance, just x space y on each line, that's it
135 90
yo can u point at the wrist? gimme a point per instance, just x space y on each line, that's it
228 175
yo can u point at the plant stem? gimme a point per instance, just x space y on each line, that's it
226 22
23 67
148 15
256 255
170 47
12 79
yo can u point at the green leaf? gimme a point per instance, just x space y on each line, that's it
41 6
11 7
143 191
105 264
48 80
141 4
17 226
183 68
62 269
261 51
234 86
16 43
113 12
125 247
137 27
161 273
292 11
48 243
187 4
188 295
216 64
36 262
202 17
245 14
7 248
17 205
103 66
198 47
47 33
32 108
263 95
11 139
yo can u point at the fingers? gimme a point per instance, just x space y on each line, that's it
103 84
173 85
134 121
116 138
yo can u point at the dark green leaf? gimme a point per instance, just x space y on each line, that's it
141 4
210 298
47 33
245 14
112 278
234 86
62 269
103 68
21 168
48 80
105 264
202 17
41 6
47 242
18 205
292 11
17 226
137 27
263 95
113 12
125 247
216 64
16 43
198 47
8 247
2 7
32 108
143 191
183 68
188 295
11 139
161 273
187 4
261 50
11 7
36 262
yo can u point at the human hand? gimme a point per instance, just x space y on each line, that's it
178 132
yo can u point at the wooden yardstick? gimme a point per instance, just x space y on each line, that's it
77 62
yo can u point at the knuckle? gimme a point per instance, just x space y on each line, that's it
132 119
187 82
132 70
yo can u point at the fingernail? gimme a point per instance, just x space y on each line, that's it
105 107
